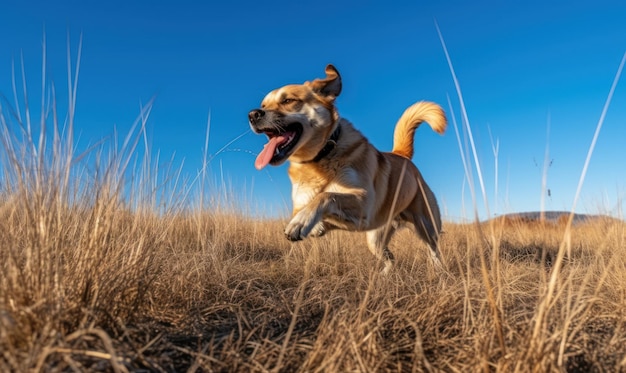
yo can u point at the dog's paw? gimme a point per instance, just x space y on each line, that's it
293 232
319 229
300 226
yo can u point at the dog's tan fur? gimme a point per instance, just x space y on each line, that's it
353 187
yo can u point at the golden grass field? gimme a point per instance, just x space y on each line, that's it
108 265
99 272
96 288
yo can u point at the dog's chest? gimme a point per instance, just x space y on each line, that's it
305 190
302 194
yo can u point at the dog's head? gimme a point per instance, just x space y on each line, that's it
298 119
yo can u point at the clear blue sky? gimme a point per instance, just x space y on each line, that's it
518 63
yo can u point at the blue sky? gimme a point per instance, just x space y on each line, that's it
521 65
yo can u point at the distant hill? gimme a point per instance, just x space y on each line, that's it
553 216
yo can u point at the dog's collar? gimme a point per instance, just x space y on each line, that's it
330 145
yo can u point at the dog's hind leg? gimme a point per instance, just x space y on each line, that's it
426 218
427 231
377 240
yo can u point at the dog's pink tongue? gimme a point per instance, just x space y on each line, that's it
265 156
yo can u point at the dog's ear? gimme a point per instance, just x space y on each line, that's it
330 86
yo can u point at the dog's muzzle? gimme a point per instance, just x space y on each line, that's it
282 137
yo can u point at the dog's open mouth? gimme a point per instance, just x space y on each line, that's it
279 147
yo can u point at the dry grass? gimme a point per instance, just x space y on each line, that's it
220 292
90 284
107 265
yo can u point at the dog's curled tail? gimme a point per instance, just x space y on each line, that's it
412 117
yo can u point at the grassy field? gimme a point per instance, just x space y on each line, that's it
101 272
108 263
96 288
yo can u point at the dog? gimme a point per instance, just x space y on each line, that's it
340 180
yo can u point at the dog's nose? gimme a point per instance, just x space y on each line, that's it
255 115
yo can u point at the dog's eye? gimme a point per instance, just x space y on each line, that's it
286 101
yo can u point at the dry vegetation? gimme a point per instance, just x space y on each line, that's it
106 268
94 287
89 283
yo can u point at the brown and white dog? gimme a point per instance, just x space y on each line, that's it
339 179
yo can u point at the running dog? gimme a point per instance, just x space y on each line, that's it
340 180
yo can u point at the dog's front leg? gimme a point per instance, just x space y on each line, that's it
344 210
319 229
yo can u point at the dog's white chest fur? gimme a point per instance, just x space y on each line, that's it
347 181
302 194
